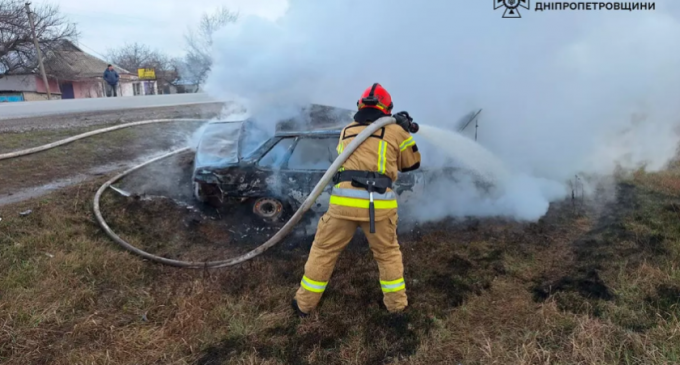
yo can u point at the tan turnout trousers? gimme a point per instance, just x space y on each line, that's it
332 236
389 150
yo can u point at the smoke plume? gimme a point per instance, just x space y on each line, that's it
563 92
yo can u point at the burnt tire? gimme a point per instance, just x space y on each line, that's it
270 210
199 192
204 193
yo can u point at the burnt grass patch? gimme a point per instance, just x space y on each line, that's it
441 279
587 284
665 300
638 228
590 254
442 274
478 289
387 337
286 345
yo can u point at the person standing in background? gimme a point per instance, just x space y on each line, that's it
111 77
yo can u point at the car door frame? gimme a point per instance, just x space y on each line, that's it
259 178
307 179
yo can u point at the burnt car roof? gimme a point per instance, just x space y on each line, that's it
316 118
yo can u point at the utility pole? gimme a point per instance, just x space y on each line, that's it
37 49
476 127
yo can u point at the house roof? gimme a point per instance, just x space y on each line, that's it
71 62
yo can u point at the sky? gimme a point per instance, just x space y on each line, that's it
159 24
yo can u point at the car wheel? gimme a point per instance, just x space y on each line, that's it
202 193
199 193
269 209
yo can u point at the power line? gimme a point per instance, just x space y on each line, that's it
92 50
104 58
105 16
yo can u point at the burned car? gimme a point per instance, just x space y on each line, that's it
275 175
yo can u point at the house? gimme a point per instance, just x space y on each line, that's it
72 74
80 75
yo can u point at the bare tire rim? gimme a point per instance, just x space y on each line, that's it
268 208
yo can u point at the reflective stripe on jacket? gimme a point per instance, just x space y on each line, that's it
360 198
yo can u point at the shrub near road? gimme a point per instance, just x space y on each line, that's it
573 288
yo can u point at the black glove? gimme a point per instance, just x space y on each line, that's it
403 120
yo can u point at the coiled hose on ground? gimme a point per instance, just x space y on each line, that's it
285 230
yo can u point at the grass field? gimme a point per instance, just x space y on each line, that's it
573 288
81 156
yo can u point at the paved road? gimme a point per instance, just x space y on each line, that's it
52 107
205 111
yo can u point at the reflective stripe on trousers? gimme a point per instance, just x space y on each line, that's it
313 285
392 286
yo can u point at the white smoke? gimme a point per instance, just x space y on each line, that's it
563 92
232 111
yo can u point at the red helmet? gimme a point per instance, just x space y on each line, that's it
376 97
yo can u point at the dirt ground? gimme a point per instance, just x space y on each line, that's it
581 286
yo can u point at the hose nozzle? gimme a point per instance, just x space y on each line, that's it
413 127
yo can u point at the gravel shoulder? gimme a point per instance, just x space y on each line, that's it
75 120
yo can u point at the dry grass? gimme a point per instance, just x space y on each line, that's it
81 156
566 290
21 140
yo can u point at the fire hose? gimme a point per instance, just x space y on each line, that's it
62 142
276 238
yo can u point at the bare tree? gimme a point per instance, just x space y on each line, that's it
134 56
17 51
199 41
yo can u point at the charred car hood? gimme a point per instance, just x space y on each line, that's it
218 145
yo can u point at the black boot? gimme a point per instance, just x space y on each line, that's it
297 310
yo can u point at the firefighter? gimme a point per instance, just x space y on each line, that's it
362 196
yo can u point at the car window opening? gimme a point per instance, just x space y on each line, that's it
313 154
277 154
